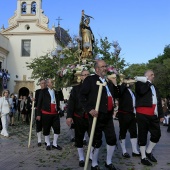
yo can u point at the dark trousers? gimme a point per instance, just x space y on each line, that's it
81 126
38 123
19 113
104 124
0 125
28 116
148 124
50 120
127 122
168 130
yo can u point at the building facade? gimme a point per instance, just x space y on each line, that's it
26 38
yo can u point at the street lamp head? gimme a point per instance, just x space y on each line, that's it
59 49
70 45
62 56
54 53
115 53
97 57
78 38
115 44
118 49
86 45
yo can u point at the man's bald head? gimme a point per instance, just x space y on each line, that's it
100 68
150 75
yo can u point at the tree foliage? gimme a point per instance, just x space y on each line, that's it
161 67
105 51
135 70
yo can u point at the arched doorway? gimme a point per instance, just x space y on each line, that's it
23 91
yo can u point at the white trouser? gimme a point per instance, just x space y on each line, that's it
4 120
166 120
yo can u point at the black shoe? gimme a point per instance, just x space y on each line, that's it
146 162
84 142
57 147
48 148
81 163
90 160
110 166
126 155
151 157
72 140
136 154
75 144
12 125
95 168
39 144
45 143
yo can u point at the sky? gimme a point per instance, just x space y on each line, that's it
141 27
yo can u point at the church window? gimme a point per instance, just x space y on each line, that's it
26 48
33 8
23 8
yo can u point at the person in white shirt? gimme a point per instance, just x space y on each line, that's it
47 110
149 114
4 112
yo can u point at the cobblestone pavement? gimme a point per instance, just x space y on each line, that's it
15 154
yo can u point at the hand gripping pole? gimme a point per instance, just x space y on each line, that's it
94 122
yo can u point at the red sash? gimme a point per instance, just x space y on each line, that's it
53 109
109 103
85 115
146 110
122 111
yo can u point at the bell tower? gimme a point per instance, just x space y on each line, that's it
26 7
29 10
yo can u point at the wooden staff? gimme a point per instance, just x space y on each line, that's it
94 122
32 115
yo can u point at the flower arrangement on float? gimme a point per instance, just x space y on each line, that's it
70 74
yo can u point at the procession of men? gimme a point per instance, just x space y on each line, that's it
140 112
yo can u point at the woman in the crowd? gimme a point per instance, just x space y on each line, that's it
165 111
18 107
13 109
5 106
23 108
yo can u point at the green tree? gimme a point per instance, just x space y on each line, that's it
161 58
135 70
161 67
50 66
106 53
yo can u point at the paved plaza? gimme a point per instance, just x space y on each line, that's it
15 154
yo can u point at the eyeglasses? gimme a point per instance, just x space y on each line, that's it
85 74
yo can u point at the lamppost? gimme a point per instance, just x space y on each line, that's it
116 53
117 50
57 53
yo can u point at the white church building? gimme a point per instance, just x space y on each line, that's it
27 37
